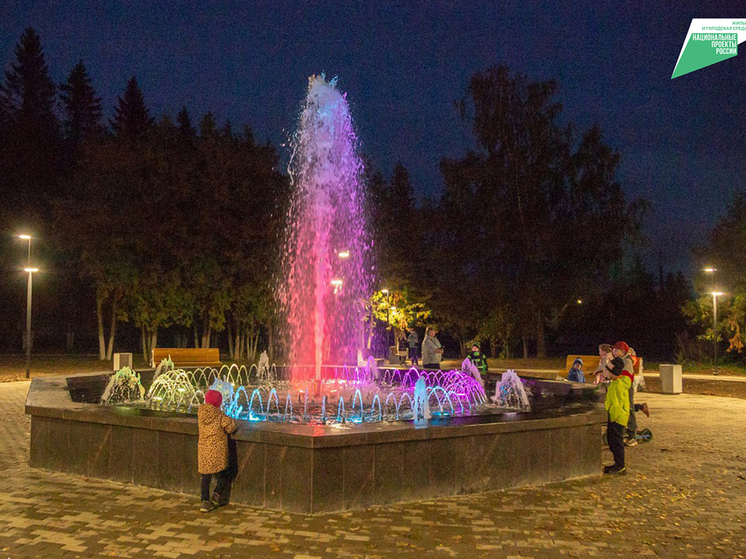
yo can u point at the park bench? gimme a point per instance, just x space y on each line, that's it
590 364
187 356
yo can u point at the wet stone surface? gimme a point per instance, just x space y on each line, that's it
684 496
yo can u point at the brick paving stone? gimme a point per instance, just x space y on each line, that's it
684 497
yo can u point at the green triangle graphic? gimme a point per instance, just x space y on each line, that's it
697 55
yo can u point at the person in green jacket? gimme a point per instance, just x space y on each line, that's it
477 357
619 371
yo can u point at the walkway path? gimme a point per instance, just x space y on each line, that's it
685 496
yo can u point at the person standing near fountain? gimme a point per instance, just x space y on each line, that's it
618 407
477 357
621 351
212 450
413 341
432 350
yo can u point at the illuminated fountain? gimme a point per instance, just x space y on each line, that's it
326 267
330 431
358 397
511 393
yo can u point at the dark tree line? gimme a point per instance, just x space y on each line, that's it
170 227
532 220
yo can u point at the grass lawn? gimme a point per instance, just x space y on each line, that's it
13 367
544 363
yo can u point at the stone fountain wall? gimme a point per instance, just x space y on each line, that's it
313 469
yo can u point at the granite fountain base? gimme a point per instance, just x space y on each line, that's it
314 468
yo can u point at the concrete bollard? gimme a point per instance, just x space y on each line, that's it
671 382
122 360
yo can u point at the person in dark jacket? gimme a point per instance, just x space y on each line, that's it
413 340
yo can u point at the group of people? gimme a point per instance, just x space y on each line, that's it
617 366
432 349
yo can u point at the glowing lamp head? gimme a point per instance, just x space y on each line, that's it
343 254
717 293
31 270
709 269
580 301
385 291
393 308
25 237
336 282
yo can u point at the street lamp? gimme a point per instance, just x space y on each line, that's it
715 295
388 316
343 254
30 272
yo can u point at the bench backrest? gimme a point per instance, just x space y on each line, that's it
187 356
590 363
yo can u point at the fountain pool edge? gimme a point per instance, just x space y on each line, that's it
312 469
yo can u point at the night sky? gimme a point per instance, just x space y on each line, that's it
404 64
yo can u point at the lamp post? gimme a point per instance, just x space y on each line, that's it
28 269
715 295
30 272
388 316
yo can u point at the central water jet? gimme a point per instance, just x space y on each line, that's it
326 265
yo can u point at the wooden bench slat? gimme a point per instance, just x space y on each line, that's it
186 356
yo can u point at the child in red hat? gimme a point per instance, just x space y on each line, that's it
212 450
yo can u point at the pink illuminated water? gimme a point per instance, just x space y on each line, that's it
322 293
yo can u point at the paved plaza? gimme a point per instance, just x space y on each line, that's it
685 496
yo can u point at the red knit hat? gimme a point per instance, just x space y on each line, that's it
214 398
622 346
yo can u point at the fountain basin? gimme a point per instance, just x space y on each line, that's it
316 468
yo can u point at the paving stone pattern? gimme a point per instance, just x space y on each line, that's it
685 496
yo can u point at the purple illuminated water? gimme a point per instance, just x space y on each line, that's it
326 267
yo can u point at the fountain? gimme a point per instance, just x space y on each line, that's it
326 266
123 387
330 431
421 411
511 393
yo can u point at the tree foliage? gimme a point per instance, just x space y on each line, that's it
725 252
30 135
531 218
81 107
172 225
175 229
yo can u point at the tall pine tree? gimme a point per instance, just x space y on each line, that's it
29 155
82 108
187 132
131 119
28 92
